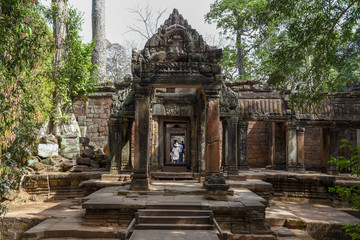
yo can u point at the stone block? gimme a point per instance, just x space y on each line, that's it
70 155
48 150
81 120
83 161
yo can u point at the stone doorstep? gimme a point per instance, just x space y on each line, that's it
69 228
174 235
37 232
238 177
283 233
251 237
252 184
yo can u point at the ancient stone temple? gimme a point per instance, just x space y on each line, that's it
175 97
238 151
178 95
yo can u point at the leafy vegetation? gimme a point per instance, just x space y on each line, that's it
24 44
350 194
26 83
303 47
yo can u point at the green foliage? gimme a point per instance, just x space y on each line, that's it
76 75
349 69
350 194
26 84
24 41
246 26
305 57
304 48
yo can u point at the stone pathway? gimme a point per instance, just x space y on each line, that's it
291 220
288 220
173 235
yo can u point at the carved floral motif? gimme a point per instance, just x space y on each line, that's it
176 49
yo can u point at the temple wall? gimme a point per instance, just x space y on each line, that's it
312 145
258 144
94 115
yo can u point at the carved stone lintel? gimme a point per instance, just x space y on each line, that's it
176 49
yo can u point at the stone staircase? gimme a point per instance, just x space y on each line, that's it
172 175
180 216
175 220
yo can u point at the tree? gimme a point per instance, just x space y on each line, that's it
99 39
349 68
73 72
118 62
59 16
147 19
305 55
243 22
296 43
24 45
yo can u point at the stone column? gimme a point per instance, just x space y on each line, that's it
243 145
140 180
224 147
291 148
202 142
300 133
333 151
272 144
126 165
358 137
115 144
155 144
325 144
232 145
212 135
193 145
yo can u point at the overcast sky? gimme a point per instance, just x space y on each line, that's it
117 16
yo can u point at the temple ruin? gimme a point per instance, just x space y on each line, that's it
178 91
243 145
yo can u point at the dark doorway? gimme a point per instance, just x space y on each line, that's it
175 144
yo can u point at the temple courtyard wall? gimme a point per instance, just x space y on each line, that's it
93 116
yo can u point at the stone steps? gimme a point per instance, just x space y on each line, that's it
174 235
164 226
70 227
173 212
172 175
174 216
174 205
174 219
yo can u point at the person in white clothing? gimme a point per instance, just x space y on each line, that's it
175 153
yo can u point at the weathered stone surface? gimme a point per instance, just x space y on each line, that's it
66 165
88 153
48 150
47 161
83 161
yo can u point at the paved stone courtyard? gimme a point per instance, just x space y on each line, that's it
90 217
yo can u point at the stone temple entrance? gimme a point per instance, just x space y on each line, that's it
177 84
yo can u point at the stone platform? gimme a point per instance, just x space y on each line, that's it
243 213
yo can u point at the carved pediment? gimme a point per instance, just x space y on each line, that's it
228 102
176 49
123 103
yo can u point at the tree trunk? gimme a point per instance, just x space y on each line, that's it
59 28
239 54
98 34
239 49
